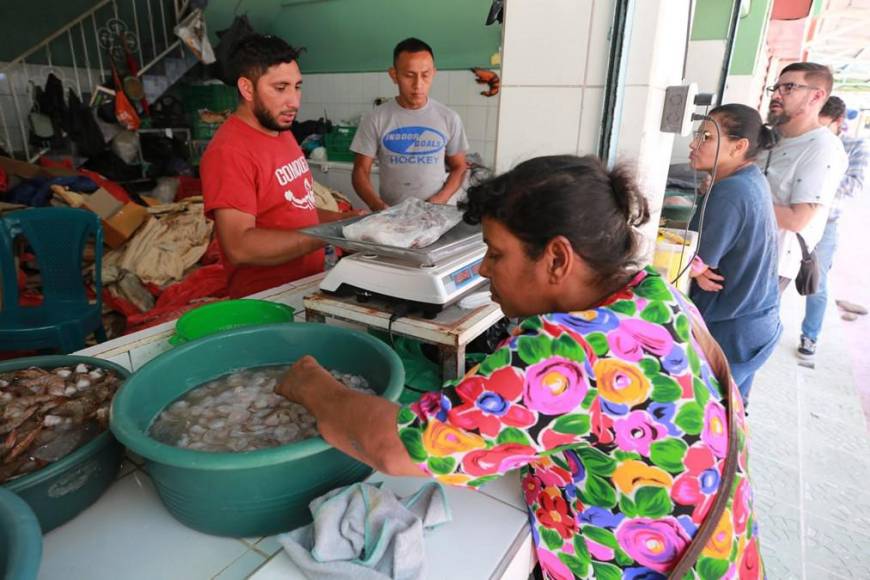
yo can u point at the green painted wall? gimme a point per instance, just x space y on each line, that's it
711 19
359 35
23 23
711 23
750 37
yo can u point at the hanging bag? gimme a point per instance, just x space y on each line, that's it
809 275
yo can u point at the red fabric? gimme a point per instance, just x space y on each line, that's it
267 177
66 163
4 180
203 285
115 189
212 253
187 187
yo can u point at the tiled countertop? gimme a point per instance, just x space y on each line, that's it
129 534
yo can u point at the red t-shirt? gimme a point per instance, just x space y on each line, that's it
267 177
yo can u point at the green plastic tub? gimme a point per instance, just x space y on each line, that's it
226 315
255 493
61 490
20 538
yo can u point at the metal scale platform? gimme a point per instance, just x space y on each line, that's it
430 278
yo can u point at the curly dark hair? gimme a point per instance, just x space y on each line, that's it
596 209
253 55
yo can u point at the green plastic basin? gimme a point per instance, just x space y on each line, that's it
255 493
61 490
228 314
20 538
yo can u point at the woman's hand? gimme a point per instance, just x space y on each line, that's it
710 281
305 378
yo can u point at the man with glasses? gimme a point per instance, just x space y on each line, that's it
832 116
805 166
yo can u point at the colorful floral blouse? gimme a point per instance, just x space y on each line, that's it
619 428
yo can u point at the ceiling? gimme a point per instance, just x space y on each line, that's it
840 38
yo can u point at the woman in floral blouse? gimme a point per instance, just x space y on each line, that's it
602 399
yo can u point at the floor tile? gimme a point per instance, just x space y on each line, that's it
243 567
840 504
816 573
774 443
774 481
837 466
836 549
780 531
129 534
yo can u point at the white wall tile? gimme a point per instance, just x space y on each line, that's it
474 120
348 88
599 42
440 89
642 42
558 30
387 87
476 146
492 119
489 153
590 121
312 88
537 121
371 83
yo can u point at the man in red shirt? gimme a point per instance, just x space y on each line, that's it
256 182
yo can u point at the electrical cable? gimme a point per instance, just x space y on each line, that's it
691 212
401 309
704 117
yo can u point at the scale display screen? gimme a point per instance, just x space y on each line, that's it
465 275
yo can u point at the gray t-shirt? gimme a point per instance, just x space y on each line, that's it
804 169
410 146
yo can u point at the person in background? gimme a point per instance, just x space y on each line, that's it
413 137
611 400
256 183
735 273
832 116
805 166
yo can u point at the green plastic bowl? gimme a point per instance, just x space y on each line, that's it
255 493
228 314
20 538
61 490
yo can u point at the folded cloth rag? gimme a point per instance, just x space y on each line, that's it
366 532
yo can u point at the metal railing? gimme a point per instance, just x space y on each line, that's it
82 54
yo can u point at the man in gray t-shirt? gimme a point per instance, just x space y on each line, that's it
419 143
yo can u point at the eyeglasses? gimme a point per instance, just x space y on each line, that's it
704 136
787 88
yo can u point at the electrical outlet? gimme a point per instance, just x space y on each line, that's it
677 111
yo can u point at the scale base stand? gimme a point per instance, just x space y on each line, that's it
426 310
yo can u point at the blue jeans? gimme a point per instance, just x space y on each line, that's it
816 303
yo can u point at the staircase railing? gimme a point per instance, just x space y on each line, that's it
79 54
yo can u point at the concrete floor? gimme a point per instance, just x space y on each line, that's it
810 462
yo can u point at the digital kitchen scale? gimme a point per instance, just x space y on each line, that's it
431 278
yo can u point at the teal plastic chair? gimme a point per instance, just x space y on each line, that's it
57 236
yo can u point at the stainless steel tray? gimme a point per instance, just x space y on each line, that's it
459 239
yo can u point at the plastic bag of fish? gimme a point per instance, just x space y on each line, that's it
240 412
46 414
